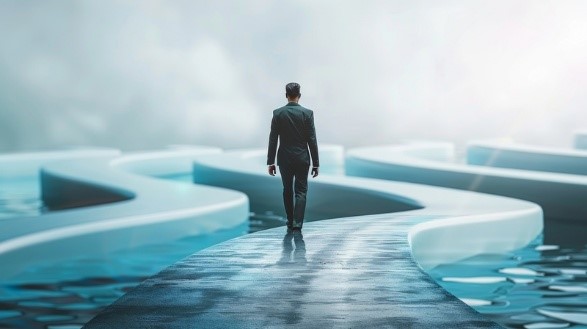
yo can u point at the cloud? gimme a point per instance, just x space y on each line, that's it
144 74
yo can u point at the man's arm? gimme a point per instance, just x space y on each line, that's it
312 144
272 149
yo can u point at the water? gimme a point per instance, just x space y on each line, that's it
64 294
20 197
68 294
539 286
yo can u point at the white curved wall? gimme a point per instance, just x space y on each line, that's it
560 195
461 219
527 157
157 210
165 210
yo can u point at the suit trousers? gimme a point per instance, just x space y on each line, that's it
295 188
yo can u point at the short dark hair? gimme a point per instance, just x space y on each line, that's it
292 89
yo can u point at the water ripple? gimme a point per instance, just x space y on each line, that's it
570 313
540 286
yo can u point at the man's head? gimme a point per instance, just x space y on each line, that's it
292 91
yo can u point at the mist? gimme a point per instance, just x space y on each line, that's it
145 74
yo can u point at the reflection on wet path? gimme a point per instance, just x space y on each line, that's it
342 273
291 255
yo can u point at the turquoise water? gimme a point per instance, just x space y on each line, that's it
20 197
535 287
68 294
539 286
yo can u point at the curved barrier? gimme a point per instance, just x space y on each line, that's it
149 210
246 172
560 195
19 178
350 271
527 157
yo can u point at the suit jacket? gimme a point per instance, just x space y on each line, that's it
294 125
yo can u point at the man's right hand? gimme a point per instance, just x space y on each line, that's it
272 170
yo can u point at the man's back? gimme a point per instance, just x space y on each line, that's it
294 124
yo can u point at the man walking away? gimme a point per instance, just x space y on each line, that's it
293 125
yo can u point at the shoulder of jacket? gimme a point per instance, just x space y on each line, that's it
305 109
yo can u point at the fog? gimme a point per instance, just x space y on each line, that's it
145 74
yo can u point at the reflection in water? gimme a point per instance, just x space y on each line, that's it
68 294
539 286
289 255
66 304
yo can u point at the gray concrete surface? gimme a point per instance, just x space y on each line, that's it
343 273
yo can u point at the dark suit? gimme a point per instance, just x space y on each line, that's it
294 125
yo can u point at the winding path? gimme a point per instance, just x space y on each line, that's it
362 271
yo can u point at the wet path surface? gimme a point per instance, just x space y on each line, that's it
348 273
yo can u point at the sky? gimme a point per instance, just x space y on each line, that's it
140 75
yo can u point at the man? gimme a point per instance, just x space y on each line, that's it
294 125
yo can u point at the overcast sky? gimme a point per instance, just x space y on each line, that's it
145 74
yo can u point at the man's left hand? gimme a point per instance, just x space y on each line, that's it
314 172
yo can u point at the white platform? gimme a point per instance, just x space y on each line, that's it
151 211
561 195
